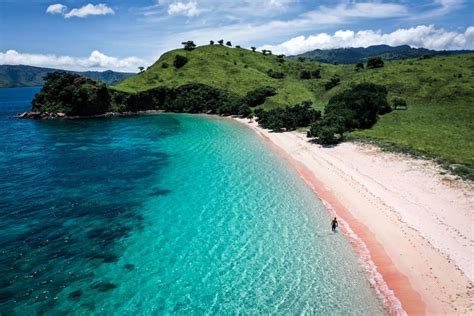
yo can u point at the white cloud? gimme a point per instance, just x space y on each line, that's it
426 36
57 8
188 9
90 9
82 12
95 61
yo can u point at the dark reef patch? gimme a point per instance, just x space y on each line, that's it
75 295
159 192
129 267
103 286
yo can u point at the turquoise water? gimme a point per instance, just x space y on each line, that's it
159 215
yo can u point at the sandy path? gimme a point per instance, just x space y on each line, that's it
418 226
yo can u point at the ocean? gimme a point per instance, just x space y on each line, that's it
162 214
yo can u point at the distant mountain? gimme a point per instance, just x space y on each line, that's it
354 55
28 76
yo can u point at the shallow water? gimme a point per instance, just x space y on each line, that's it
162 214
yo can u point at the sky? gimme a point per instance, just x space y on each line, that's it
122 35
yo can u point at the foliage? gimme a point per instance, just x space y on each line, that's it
354 108
275 74
288 118
228 43
301 59
399 103
253 48
334 81
211 42
221 42
375 62
189 45
258 96
71 94
359 66
305 74
164 65
179 61
316 74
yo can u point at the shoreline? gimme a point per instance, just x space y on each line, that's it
397 234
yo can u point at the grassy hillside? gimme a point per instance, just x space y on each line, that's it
233 69
439 91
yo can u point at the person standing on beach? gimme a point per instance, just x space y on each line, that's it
334 224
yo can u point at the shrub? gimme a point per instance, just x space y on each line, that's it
244 111
399 103
334 81
375 62
288 118
164 65
316 74
305 74
258 96
179 61
275 74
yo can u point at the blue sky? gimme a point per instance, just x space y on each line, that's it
121 34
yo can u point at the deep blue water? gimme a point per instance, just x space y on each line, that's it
162 214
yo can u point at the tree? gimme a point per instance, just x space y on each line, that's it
399 103
179 61
275 74
301 59
189 45
334 81
228 43
244 111
375 62
305 74
221 42
141 68
164 65
258 96
359 66
253 48
316 74
290 117
211 42
280 58
237 46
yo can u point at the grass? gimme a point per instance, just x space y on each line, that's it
439 121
